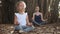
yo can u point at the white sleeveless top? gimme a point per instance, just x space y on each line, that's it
21 18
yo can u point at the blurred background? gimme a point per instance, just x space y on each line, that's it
49 8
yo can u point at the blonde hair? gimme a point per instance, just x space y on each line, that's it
17 4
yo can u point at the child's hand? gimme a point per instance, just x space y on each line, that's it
16 23
29 24
45 19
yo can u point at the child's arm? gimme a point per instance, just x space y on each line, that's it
28 23
42 17
15 20
33 16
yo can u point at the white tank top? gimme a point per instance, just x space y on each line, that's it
21 18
